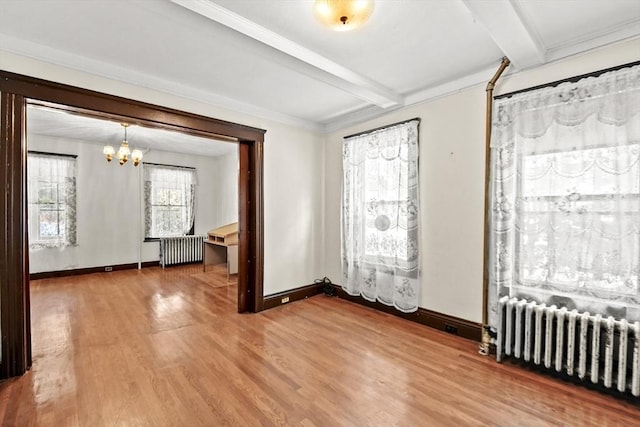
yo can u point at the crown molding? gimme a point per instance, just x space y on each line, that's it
447 88
330 123
425 95
334 122
12 45
345 111
335 74
608 36
356 117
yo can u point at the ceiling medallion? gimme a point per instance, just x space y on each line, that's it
343 15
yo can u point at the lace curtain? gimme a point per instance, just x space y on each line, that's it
380 216
169 200
51 182
565 196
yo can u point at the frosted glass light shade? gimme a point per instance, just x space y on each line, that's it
343 15
108 152
136 156
124 150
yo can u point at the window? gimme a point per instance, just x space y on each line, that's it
52 200
169 198
574 215
380 215
565 196
387 235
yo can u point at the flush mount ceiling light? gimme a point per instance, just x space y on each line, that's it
124 152
343 15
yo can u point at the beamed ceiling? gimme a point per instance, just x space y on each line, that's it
273 60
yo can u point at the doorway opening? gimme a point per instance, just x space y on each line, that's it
20 91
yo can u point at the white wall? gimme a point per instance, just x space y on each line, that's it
293 185
452 181
302 197
110 229
226 189
293 172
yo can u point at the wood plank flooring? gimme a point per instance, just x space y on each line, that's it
166 348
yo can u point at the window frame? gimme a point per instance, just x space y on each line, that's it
379 258
35 208
191 231
56 206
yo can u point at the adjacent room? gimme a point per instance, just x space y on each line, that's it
90 210
320 212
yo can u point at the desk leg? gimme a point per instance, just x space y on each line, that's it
232 260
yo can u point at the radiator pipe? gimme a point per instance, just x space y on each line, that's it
486 337
140 215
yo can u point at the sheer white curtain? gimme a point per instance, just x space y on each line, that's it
52 200
565 175
169 200
380 216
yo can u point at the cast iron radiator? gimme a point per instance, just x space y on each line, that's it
604 351
182 249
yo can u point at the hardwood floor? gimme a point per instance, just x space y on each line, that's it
166 348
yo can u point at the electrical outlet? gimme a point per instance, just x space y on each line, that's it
451 329
284 300
108 269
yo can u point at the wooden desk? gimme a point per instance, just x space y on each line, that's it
216 253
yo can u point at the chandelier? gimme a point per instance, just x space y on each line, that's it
124 152
343 15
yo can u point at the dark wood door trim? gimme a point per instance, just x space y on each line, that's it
14 279
16 91
244 252
251 157
257 216
76 99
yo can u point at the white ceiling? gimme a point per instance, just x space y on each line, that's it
273 60
60 124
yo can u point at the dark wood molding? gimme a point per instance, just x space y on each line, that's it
14 256
251 225
18 91
148 264
78 100
275 300
91 270
444 322
257 216
243 233
453 325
